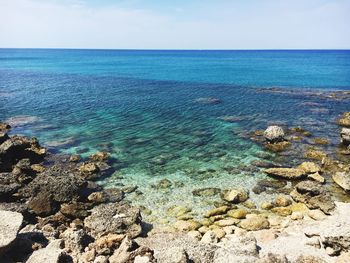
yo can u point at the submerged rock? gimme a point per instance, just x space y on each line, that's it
274 134
209 100
342 179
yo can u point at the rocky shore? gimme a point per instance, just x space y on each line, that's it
52 209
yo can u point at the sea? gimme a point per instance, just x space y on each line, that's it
179 118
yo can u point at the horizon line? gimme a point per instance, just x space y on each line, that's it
171 49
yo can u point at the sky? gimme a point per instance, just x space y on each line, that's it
176 24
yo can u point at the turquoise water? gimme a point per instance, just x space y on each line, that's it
142 106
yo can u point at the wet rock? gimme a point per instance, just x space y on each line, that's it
286 173
313 195
4 126
255 222
217 211
52 253
344 120
114 218
74 158
342 179
189 225
89 170
239 213
316 177
345 136
282 211
278 146
309 167
99 156
321 141
315 154
274 134
10 223
235 195
3 136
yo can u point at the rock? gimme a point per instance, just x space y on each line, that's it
10 223
217 211
3 137
43 204
74 158
309 167
274 134
189 225
315 154
89 170
281 200
176 255
104 259
344 120
50 254
297 216
114 218
112 195
277 146
321 141
75 210
316 214
99 157
255 222
316 177
272 258
61 185
4 126
206 191
195 234
235 195
128 251
238 249
209 237
239 213
219 232
267 205
227 222
282 211
342 179
286 173
38 168
163 184
313 195
76 240
209 100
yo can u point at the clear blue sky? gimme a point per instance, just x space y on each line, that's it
181 24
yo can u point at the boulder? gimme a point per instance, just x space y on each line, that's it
99 157
235 196
239 213
43 204
286 173
344 120
342 179
345 136
52 253
274 134
313 195
120 218
255 222
10 223
309 167
183 225
316 177
89 170
282 201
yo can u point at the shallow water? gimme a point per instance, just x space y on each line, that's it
143 107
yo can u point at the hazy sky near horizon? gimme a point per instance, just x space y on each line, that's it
177 24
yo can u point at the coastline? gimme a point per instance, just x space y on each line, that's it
66 214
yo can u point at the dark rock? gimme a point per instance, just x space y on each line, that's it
75 210
114 218
3 137
43 204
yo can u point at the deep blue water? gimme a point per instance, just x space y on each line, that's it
142 107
